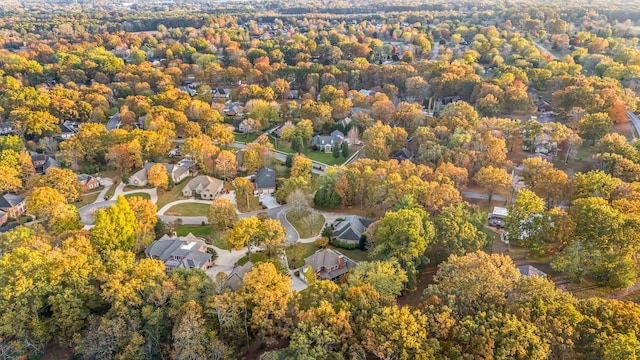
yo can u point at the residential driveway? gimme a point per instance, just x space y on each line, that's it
296 283
88 212
225 260
269 201
107 183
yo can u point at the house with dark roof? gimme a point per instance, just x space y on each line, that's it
88 182
243 126
327 143
329 264
68 129
41 162
220 93
188 90
6 128
233 108
206 187
265 181
351 229
402 155
293 94
13 205
186 252
530 270
234 280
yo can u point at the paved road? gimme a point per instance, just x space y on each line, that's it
479 195
436 50
87 213
153 193
544 50
635 122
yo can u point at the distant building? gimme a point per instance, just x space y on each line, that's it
186 252
88 182
499 212
234 280
220 93
327 143
42 163
175 172
114 122
329 264
206 187
402 155
233 108
68 129
265 181
530 270
12 205
6 128
351 229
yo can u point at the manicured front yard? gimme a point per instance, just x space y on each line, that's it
188 209
303 228
204 232
165 197
245 138
87 199
356 255
139 194
319 156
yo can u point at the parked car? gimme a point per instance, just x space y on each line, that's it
496 222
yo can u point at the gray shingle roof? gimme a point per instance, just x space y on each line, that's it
265 178
326 263
8 201
179 252
351 228
234 280
530 270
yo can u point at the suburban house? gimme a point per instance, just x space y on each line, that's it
68 129
114 122
329 264
219 93
205 186
234 280
327 143
402 154
293 94
265 181
3 217
6 128
88 182
175 172
13 205
243 125
187 252
233 108
42 162
530 270
351 229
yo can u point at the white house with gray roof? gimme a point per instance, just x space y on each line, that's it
206 187
351 228
186 252
327 143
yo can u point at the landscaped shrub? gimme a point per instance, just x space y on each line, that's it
343 245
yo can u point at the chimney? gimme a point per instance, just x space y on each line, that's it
340 262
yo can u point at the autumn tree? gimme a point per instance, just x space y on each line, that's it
243 190
115 227
459 229
222 214
493 180
157 175
594 126
145 212
267 294
226 165
405 235
387 277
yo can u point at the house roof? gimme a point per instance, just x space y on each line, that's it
530 270
8 201
351 228
500 211
325 259
84 177
186 248
234 280
265 178
203 182
335 138
402 154
114 122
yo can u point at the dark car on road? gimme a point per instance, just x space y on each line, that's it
496 222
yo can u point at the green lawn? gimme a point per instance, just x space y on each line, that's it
188 209
205 232
254 204
111 191
140 194
356 255
245 138
256 257
296 253
319 156
87 199
165 197
303 229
